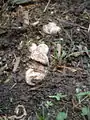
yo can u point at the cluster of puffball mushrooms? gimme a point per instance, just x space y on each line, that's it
39 67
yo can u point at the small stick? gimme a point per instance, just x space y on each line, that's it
16 64
81 101
47 5
13 86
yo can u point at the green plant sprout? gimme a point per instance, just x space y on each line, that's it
61 116
86 112
76 54
48 104
43 113
60 54
58 96
40 117
59 57
81 95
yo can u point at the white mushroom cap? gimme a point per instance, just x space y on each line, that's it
40 57
32 47
39 53
51 28
36 75
30 75
43 48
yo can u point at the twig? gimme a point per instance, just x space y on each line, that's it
89 28
13 86
68 68
81 101
47 5
16 64
35 88
12 28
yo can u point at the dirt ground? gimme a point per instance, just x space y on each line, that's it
74 18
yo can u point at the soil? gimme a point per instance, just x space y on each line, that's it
74 18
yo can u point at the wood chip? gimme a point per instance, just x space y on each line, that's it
59 49
25 18
16 64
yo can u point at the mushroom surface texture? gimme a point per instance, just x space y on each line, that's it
51 28
36 72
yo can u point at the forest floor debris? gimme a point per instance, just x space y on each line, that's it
67 50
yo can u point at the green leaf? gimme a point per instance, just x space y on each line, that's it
83 94
63 54
58 96
76 54
87 51
61 116
40 117
48 104
85 111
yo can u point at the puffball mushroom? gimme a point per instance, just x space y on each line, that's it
39 57
43 48
38 69
38 72
39 53
51 28
33 47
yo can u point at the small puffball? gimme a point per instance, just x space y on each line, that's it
33 74
40 57
51 28
43 48
37 70
30 75
39 53
32 47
